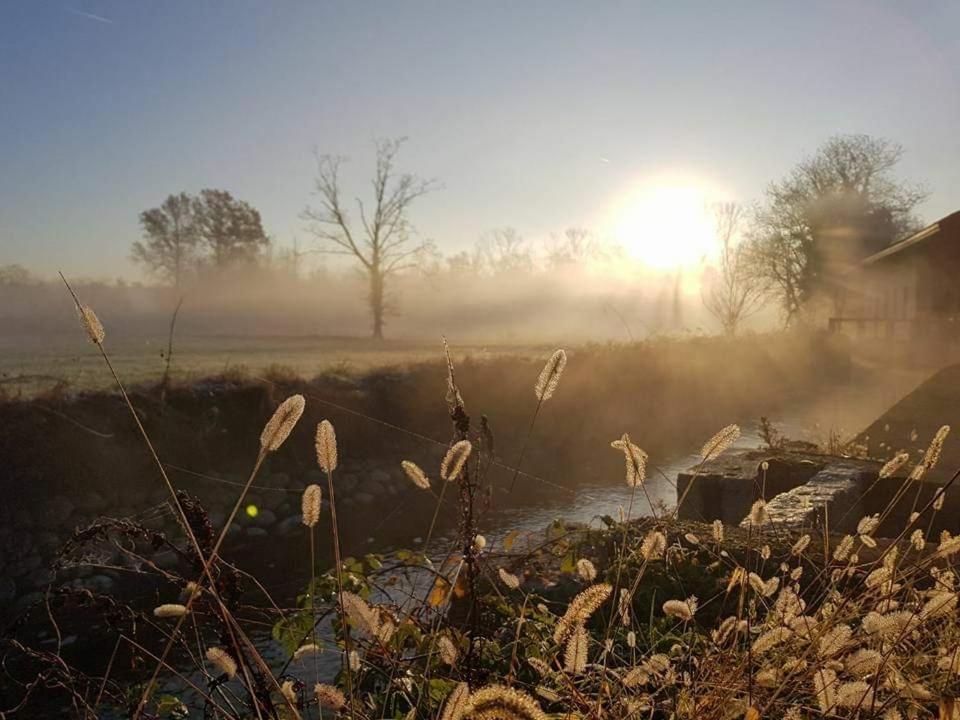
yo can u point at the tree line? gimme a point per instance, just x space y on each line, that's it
833 208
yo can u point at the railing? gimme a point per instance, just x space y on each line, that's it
945 328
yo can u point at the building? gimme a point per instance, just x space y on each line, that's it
909 290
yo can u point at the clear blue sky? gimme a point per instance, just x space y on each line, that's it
106 106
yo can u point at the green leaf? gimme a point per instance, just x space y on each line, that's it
291 630
171 707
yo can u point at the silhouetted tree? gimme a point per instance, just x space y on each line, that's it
229 229
833 209
15 274
503 251
575 246
731 292
170 239
382 243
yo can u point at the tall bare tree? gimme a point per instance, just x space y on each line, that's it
833 209
382 243
732 292
170 239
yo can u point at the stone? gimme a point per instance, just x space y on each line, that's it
380 476
372 487
99 584
264 519
256 532
364 498
290 525
833 492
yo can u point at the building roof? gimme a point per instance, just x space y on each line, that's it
949 222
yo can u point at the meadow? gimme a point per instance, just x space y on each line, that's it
31 364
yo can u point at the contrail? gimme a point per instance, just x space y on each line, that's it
91 16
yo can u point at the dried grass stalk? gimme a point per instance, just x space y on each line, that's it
279 427
329 696
550 376
170 610
716 445
456 703
575 654
326 444
417 476
222 660
455 459
362 615
636 460
310 505
580 609
497 701
91 324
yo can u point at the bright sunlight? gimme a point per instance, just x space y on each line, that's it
666 226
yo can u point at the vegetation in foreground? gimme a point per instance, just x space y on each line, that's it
643 619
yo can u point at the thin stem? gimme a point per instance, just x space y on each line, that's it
339 573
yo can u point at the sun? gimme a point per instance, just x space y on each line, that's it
666 226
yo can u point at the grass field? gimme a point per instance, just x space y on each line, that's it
34 364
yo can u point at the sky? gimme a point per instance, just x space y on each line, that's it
536 115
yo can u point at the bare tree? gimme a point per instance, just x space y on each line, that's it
170 238
832 210
503 250
382 243
574 247
732 292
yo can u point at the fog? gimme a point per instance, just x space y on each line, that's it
597 302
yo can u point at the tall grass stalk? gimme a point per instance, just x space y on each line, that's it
97 335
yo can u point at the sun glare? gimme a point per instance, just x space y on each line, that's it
666 226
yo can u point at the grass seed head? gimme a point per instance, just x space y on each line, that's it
575 653
278 427
716 445
550 376
635 458
416 475
329 696
503 703
456 703
580 609
455 459
326 445
91 324
509 579
310 505
222 660
362 615
169 610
